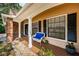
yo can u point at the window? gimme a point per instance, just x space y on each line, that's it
35 27
56 27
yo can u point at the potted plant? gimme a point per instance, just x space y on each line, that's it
70 48
45 41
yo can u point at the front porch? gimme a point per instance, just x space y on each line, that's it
36 47
53 24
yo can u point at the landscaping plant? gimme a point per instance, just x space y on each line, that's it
70 48
5 49
46 52
45 41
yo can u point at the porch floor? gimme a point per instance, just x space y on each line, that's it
56 50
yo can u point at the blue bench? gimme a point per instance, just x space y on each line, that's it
38 36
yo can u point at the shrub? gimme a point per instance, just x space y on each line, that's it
45 41
45 52
5 50
1 42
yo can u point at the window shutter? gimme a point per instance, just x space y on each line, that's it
72 35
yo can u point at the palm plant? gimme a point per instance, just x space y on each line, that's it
5 8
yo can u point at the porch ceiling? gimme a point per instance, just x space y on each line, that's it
33 10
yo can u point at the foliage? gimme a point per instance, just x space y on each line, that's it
8 47
70 45
2 29
5 8
45 41
70 48
5 50
46 52
1 42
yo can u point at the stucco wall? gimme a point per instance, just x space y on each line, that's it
59 10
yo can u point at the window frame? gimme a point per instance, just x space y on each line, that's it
65 40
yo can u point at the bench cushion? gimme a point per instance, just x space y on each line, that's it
38 36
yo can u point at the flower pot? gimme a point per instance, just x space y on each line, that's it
71 51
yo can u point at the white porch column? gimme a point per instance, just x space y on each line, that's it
19 30
30 32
